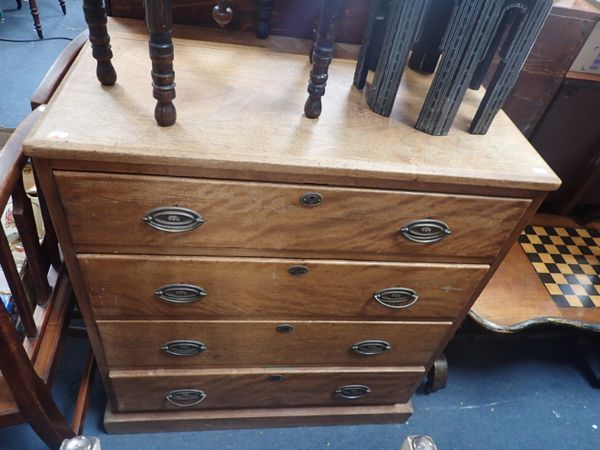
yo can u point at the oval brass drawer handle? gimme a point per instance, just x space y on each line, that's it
180 293
183 347
173 219
184 398
426 231
353 391
372 347
396 298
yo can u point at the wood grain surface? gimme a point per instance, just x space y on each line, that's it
58 70
566 30
227 119
106 210
256 388
123 287
130 344
230 127
148 422
585 6
48 187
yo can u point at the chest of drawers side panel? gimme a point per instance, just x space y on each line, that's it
45 177
519 225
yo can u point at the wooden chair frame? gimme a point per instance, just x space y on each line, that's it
28 364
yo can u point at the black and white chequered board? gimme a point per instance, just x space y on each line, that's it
567 261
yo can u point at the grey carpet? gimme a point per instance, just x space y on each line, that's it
23 65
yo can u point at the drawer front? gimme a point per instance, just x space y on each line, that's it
138 214
166 344
182 390
163 287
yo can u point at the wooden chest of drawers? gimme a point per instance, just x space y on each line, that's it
250 267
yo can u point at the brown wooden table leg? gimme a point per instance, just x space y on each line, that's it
321 57
35 13
95 17
159 19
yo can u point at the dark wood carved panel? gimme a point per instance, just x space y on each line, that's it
569 140
294 18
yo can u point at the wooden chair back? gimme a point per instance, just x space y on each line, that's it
30 346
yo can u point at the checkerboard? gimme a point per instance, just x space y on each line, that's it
567 261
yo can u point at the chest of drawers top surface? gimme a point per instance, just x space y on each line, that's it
240 116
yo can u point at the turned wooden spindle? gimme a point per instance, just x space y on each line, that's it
159 19
222 13
35 13
264 15
95 17
322 55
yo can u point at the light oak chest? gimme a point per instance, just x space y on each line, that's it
250 267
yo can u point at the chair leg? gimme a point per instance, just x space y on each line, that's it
63 6
19 4
159 19
321 57
36 18
95 17
29 391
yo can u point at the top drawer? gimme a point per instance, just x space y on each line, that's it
123 213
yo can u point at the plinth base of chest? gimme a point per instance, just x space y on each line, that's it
159 422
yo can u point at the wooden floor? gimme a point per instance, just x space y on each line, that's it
516 298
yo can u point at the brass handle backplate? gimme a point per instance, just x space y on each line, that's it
184 398
371 347
183 347
396 298
180 293
353 391
173 219
426 231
